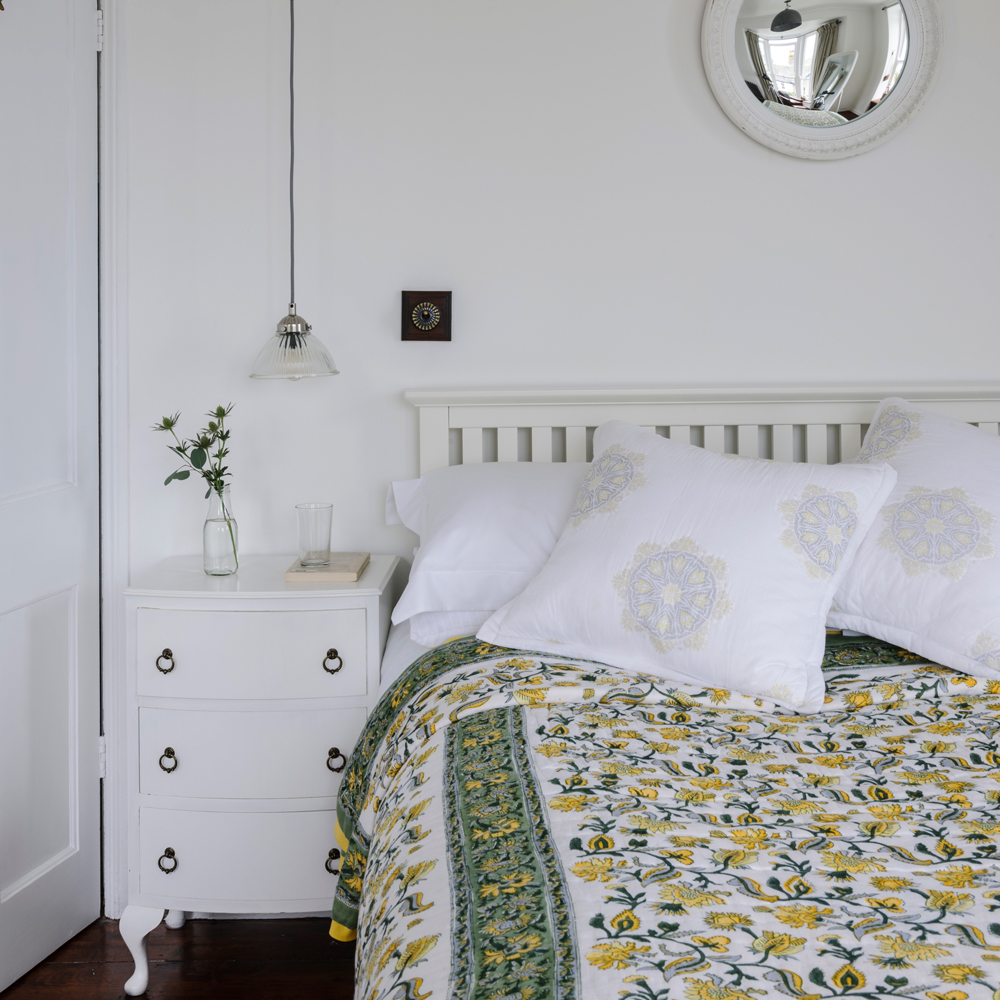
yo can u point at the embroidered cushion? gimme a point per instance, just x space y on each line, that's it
927 577
698 567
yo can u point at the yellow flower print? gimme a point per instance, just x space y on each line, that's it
980 829
858 699
890 883
848 978
553 749
936 746
752 756
801 915
955 786
654 825
616 954
705 989
601 843
903 953
726 920
960 876
681 894
714 943
710 783
680 856
693 795
832 760
624 921
572 803
614 767
891 811
649 793
689 841
888 905
838 861
596 868
950 995
878 828
950 902
958 973
770 943
820 780
416 872
735 858
946 728
415 951
748 838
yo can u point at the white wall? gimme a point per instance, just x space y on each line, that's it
563 168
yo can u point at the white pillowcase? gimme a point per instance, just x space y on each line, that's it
485 531
699 567
431 628
927 576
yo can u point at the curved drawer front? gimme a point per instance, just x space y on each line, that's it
244 755
250 654
237 856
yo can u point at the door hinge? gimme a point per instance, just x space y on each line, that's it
102 756
99 19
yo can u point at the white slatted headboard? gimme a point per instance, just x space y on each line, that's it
823 424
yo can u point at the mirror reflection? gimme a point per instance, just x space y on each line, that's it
821 63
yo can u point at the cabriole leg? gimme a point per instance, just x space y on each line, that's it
176 919
134 927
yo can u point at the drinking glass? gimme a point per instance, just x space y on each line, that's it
315 521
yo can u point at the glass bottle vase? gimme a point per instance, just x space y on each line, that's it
221 536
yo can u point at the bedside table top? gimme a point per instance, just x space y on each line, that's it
261 576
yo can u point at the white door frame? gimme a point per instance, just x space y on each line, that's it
114 442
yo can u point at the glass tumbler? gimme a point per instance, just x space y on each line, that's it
315 521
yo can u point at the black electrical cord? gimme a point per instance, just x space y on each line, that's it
291 137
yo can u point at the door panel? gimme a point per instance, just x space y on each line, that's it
49 534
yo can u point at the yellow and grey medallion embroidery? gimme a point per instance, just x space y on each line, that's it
673 593
612 476
893 428
819 525
937 531
987 651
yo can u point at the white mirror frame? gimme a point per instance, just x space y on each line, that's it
718 37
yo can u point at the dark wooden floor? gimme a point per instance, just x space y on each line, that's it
204 960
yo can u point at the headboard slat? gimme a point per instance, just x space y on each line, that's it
804 424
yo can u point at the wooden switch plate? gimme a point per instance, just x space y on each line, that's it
426 316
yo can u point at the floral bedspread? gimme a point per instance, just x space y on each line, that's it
519 828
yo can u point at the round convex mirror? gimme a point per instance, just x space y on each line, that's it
821 78
815 67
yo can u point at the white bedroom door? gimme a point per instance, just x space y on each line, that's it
49 521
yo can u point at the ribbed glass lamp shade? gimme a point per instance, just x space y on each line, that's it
293 352
786 19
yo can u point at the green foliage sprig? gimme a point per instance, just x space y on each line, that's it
197 452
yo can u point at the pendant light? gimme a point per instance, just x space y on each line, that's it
293 352
787 19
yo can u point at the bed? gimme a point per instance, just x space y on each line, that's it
519 825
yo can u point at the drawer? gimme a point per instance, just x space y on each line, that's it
250 654
237 856
244 755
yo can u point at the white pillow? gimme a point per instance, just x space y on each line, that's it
431 628
928 576
698 567
485 531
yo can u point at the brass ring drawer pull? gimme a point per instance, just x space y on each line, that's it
168 855
334 855
168 655
332 756
331 655
171 759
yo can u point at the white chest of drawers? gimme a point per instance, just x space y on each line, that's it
245 696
